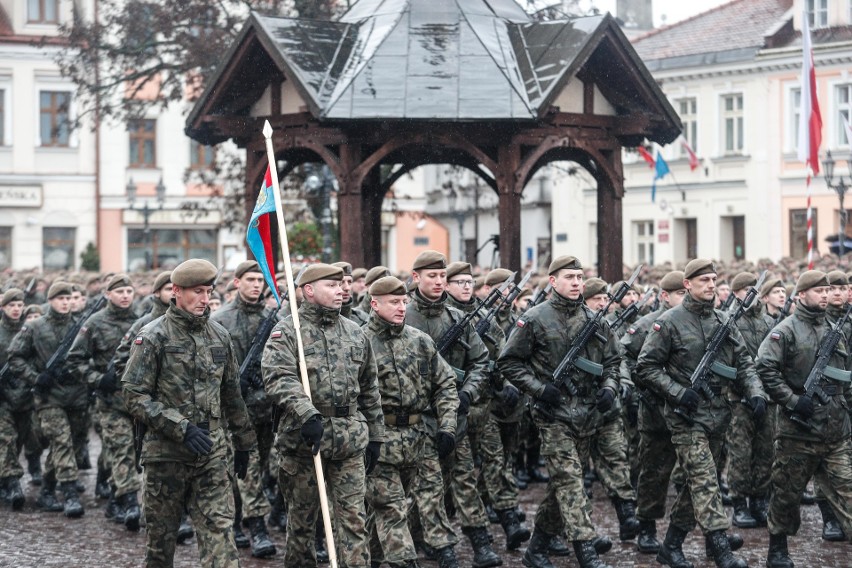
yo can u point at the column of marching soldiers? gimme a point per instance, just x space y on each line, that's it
433 399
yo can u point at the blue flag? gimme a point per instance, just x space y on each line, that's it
661 168
258 234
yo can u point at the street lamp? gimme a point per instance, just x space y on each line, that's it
452 202
840 187
146 212
319 182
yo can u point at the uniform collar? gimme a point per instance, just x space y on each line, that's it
466 307
563 304
428 308
346 307
256 307
56 317
384 328
813 316
120 313
697 307
319 315
186 319
9 323
835 312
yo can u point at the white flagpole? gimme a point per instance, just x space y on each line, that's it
294 312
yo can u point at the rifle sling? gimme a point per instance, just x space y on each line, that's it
836 374
723 370
588 366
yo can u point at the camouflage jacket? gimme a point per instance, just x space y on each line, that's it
435 319
16 393
94 348
182 369
413 378
622 329
631 344
8 330
356 314
538 344
122 352
672 351
32 348
242 319
784 361
832 315
341 373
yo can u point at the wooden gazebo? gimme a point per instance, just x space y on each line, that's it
404 83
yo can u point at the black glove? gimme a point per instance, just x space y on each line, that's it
446 444
65 376
464 402
372 456
690 400
633 414
804 407
245 383
510 396
605 398
44 381
550 395
109 382
312 433
625 392
241 459
197 440
758 408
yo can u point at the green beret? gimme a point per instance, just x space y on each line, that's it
32 309
161 280
388 285
456 268
119 281
345 266
672 282
743 280
770 285
59 289
497 276
194 272
698 267
320 271
837 278
811 279
791 289
12 295
231 286
564 262
429 259
375 273
246 266
478 282
359 273
594 286
524 293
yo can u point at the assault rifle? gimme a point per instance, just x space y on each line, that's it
785 311
483 324
726 305
454 334
656 305
700 376
250 367
631 311
821 368
563 376
539 296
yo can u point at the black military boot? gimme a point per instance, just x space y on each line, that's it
759 508
515 532
14 494
557 547
185 530
720 549
602 544
808 497
34 468
278 514
82 457
102 486
587 556
47 499
446 557
671 551
493 516
628 525
483 555
831 529
536 555
114 511
647 542
735 541
261 546
778 556
742 515
73 509
240 538
132 513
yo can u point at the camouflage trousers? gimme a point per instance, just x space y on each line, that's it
17 431
486 440
429 516
565 508
118 445
345 487
631 438
700 498
61 427
389 487
205 490
657 459
608 451
750 452
254 501
459 475
796 461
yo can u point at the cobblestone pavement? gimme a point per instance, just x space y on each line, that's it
32 538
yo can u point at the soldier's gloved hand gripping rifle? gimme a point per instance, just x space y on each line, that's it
699 380
821 368
563 375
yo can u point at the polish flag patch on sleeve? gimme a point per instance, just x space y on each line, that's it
521 323
775 336
631 330
276 334
657 327
138 340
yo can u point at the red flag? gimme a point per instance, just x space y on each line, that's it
694 162
646 155
810 119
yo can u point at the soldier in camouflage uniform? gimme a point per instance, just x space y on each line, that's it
532 352
419 401
773 298
485 433
369 278
182 383
359 284
430 313
241 317
341 420
670 354
62 398
91 359
657 456
784 360
349 308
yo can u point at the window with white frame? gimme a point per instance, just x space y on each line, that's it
54 122
687 108
732 123
643 236
794 104
843 110
43 11
818 13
